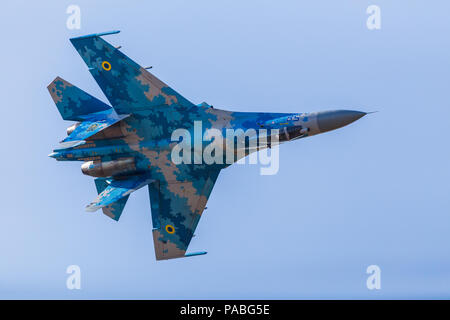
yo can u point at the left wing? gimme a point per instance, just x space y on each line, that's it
177 206
127 85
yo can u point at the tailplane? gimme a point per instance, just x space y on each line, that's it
113 194
72 102
113 210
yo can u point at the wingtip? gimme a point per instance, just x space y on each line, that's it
51 84
195 254
92 207
95 35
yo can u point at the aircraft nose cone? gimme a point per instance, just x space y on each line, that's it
53 155
330 120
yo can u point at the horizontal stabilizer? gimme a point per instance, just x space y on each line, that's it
93 124
113 210
72 102
116 190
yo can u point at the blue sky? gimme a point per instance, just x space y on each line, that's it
375 192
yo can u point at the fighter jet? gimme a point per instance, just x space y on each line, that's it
128 144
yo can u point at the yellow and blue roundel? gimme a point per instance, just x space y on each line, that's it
106 65
170 229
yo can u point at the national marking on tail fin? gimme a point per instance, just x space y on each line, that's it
72 102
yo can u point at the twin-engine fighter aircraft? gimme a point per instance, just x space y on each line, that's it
129 144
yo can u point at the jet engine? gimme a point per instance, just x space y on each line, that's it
108 168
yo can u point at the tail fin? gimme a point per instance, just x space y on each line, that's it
113 210
72 102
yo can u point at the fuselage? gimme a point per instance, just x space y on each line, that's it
140 138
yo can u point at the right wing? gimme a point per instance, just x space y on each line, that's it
177 206
127 85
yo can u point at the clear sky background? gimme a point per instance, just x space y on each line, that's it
375 192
